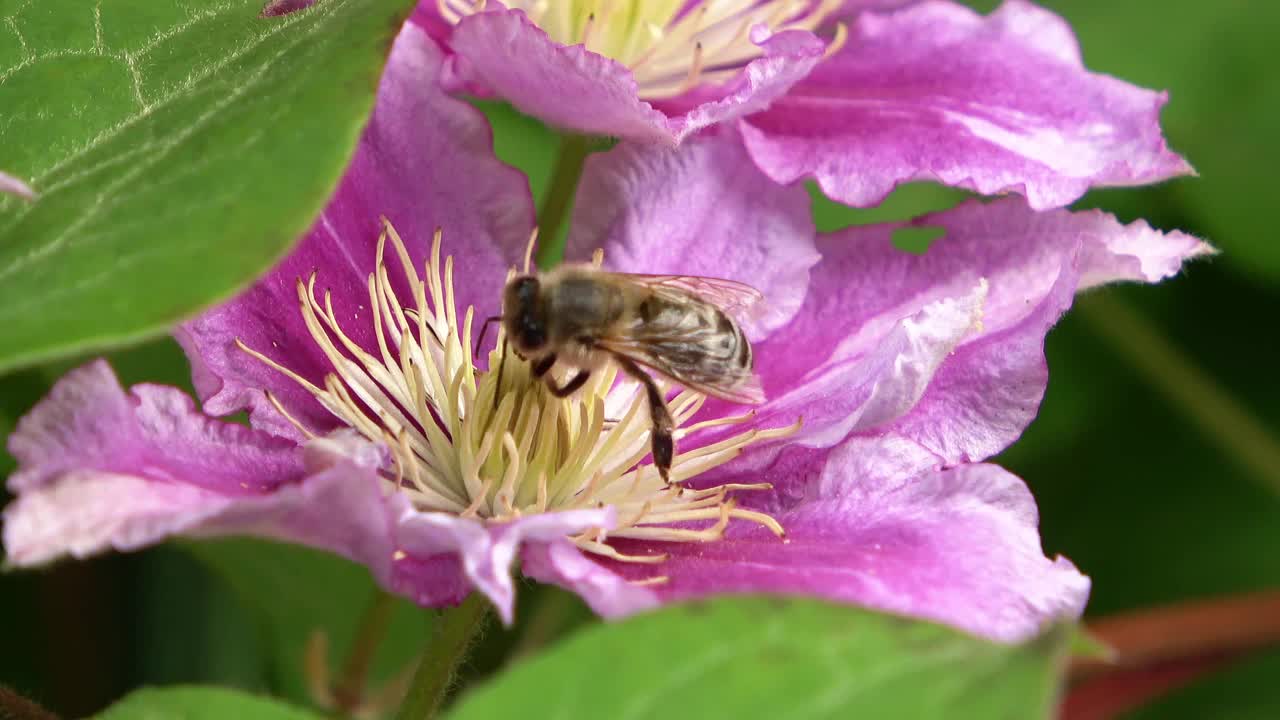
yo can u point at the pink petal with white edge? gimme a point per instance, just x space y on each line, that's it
882 527
610 595
485 553
425 161
84 513
88 421
947 347
703 209
13 186
103 469
937 92
504 53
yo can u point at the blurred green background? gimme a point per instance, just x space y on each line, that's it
1143 479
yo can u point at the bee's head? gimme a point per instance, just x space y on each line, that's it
522 314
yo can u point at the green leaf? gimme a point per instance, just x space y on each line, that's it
1087 646
769 658
179 149
295 591
200 703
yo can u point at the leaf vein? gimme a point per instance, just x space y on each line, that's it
20 264
178 92
97 28
841 695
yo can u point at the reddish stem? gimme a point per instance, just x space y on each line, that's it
1162 649
1222 626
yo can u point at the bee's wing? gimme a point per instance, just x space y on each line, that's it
677 349
739 300
678 358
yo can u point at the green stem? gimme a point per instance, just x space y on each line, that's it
549 617
453 632
573 151
1193 392
349 691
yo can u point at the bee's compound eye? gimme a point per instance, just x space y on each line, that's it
532 334
527 289
524 321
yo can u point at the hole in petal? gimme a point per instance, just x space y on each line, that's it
916 240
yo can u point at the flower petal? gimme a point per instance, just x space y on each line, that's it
425 161
947 347
936 92
504 53
434 581
343 508
431 564
485 554
850 8
703 209
88 422
82 513
560 563
883 528
14 186
103 469
787 58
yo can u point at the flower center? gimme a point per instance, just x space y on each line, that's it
495 445
670 45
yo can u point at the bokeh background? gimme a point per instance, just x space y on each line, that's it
1153 458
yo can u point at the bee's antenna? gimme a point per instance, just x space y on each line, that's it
528 250
484 329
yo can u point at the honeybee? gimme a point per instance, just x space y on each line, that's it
678 327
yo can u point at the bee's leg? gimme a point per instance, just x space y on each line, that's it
661 440
570 387
541 367
483 329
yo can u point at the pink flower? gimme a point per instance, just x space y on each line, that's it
376 435
861 95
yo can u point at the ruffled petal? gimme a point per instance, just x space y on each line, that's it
936 92
14 186
850 8
484 553
608 594
88 422
100 468
787 58
430 547
425 161
504 53
947 347
883 527
83 513
703 209
342 506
